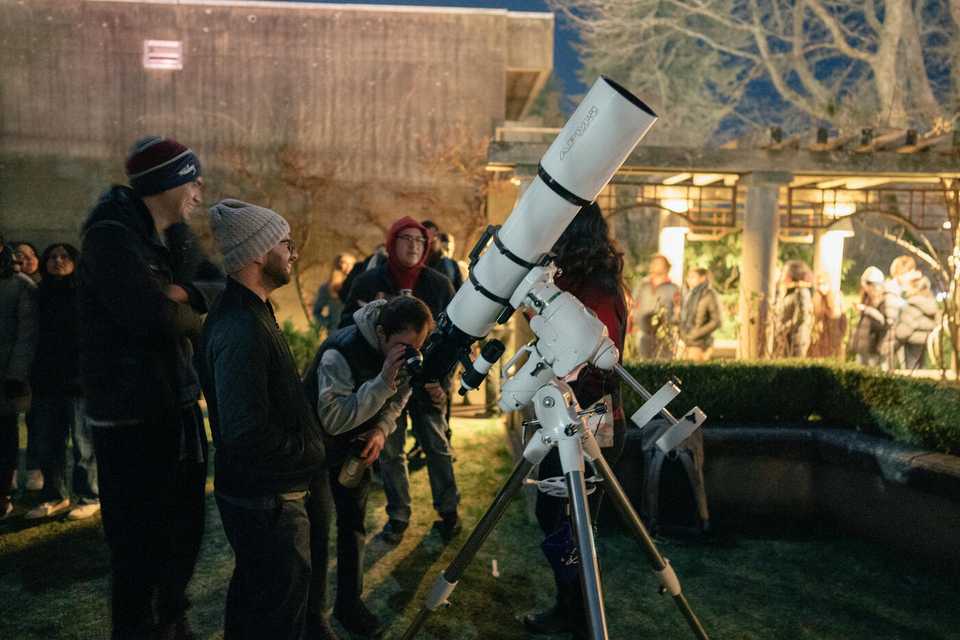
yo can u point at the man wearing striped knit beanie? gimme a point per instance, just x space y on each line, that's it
140 306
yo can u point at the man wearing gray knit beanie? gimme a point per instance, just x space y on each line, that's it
270 481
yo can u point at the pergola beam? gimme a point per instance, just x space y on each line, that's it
683 160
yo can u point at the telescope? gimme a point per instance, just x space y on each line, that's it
596 140
509 270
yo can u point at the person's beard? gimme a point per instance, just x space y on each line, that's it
274 273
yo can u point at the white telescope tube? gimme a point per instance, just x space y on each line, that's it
596 140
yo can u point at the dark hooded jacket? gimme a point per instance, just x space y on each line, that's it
56 366
135 343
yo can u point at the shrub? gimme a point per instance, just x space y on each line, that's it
303 344
807 393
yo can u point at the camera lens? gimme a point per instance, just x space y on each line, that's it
412 361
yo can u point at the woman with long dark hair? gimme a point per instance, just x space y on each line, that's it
57 412
591 268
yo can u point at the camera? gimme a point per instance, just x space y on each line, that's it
412 361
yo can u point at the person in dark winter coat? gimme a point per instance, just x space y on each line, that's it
270 470
871 328
57 411
405 273
27 260
591 268
438 260
699 316
794 327
140 307
919 316
18 339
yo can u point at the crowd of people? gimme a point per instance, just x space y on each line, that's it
112 346
890 326
668 321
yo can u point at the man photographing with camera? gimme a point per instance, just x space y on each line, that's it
358 384
405 273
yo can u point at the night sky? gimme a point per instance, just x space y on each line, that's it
566 61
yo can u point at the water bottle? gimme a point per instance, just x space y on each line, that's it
351 473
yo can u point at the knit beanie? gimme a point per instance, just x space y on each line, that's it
156 164
245 232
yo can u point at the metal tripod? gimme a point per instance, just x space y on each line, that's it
560 426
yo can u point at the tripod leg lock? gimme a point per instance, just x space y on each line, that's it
439 593
668 579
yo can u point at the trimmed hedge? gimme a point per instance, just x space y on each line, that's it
804 393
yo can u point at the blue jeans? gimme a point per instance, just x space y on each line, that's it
430 427
54 419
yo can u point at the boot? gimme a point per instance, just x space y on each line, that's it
548 621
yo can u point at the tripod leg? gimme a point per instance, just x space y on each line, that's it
447 581
589 569
668 578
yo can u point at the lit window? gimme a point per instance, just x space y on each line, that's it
162 54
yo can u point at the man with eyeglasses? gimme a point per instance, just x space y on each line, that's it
405 273
270 475
141 304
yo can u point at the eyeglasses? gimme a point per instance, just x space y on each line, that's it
415 240
291 245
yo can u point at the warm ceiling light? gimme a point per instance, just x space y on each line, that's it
703 179
832 184
680 177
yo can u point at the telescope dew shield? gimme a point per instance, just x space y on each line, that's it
586 154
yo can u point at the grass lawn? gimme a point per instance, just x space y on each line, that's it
54 577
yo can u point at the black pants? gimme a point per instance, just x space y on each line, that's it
350 506
153 518
269 589
553 517
9 452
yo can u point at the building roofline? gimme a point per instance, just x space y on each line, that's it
382 8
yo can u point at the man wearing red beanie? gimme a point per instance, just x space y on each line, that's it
405 273
141 302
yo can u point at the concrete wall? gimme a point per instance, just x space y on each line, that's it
789 480
366 97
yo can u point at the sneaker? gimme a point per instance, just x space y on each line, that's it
6 508
392 532
359 620
548 621
449 526
47 509
84 511
34 480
